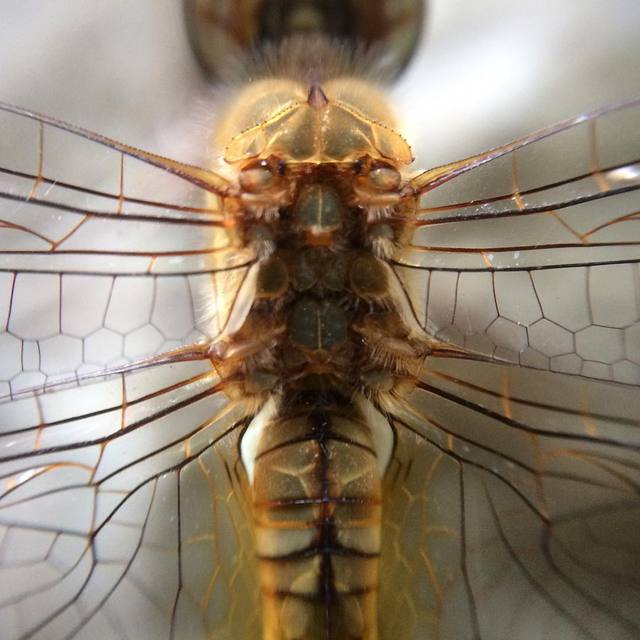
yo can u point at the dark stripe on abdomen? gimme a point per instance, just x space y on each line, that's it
317 514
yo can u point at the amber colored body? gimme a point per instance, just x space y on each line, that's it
318 201
405 407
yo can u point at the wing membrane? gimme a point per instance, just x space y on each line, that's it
54 218
61 325
529 253
122 510
512 504
607 132
195 175
107 254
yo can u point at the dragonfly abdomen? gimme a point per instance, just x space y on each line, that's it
317 516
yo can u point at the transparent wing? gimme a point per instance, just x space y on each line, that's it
512 507
529 253
122 512
512 500
95 277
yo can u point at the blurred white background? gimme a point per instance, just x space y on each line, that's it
487 70
491 70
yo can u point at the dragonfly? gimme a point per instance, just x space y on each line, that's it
509 483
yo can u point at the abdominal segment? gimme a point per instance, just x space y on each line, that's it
317 511
321 345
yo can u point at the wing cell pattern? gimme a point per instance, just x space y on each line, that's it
511 499
93 278
512 506
121 510
530 253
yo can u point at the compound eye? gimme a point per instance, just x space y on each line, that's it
385 178
220 31
256 178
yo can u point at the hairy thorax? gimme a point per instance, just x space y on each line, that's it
320 203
